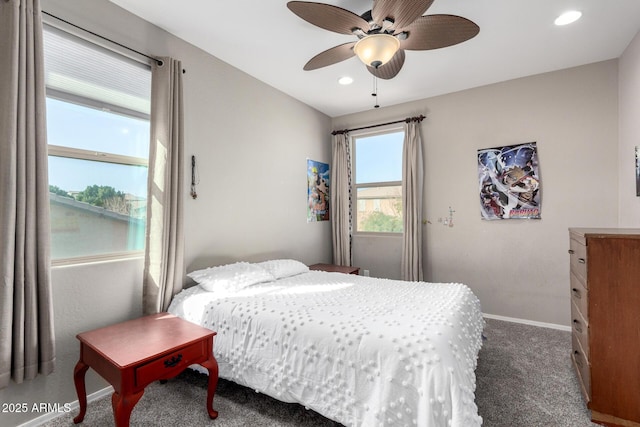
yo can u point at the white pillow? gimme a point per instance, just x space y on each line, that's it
231 277
280 268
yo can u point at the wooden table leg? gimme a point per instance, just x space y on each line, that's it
212 366
123 405
78 378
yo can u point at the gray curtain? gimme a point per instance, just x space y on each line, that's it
341 200
164 252
26 312
412 187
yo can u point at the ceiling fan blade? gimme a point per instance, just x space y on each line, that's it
330 56
436 31
391 68
329 17
403 12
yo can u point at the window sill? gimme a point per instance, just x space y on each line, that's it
121 256
376 234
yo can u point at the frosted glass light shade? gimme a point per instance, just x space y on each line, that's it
376 49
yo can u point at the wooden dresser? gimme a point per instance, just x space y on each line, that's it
605 315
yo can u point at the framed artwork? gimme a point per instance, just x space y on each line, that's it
509 182
637 171
318 191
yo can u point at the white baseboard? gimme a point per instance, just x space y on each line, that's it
75 405
528 322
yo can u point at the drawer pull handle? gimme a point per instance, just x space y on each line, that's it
571 252
577 326
170 363
576 293
581 260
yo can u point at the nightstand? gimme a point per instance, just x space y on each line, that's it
332 268
133 354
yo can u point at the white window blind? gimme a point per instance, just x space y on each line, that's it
99 77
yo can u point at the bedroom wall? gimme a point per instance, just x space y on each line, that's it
629 94
251 143
518 268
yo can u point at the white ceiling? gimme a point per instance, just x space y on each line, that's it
517 38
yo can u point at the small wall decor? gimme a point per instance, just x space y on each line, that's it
447 221
318 194
195 179
509 182
637 171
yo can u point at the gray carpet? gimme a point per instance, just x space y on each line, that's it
524 379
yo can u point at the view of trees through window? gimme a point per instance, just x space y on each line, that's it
378 182
103 196
388 221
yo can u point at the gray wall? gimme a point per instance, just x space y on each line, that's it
518 268
629 93
251 143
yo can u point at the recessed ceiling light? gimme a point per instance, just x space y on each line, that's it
568 17
346 80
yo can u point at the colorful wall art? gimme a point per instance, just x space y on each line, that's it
509 182
318 195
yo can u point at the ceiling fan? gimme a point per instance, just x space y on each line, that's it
384 32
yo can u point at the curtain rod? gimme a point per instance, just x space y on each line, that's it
407 120
158 61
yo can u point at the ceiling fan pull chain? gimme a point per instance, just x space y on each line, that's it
375 91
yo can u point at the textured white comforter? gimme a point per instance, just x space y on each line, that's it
358 350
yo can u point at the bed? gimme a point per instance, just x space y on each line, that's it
358 350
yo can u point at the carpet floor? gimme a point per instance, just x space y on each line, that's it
524 379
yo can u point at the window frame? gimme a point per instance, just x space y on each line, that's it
91 155
384 130
96 156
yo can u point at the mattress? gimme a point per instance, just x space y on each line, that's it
361 351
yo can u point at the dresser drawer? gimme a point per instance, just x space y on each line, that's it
580 329
580 296
578 257
583 369
171 364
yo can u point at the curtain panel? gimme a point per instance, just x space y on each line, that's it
341 200
412 188
164 251
27 342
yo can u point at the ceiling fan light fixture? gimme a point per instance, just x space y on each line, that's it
568 17
375 50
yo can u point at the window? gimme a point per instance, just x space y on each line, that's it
98 106
377 186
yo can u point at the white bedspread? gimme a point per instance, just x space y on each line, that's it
358 350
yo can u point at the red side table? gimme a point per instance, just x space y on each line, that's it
133 354
332 268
